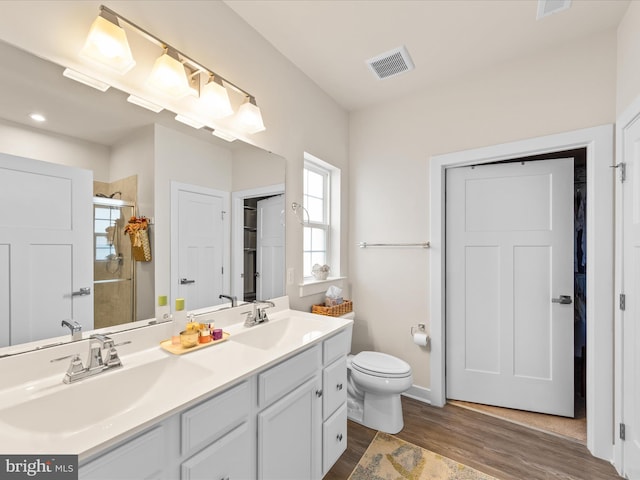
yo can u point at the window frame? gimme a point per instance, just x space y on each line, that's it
318 167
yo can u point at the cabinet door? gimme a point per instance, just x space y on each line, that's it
228 458
289 433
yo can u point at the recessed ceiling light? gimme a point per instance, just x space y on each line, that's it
37 117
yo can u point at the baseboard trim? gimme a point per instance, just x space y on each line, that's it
421 394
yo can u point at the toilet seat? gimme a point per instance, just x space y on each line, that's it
380 365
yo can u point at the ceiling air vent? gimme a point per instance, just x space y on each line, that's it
549 7
391 63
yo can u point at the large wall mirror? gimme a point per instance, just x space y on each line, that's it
139 164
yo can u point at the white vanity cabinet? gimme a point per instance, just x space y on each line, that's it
286 421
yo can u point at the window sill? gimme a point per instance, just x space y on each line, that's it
314 287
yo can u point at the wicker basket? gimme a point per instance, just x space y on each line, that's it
335 311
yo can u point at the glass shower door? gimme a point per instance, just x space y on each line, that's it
114 269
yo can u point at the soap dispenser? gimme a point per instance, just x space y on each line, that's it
179 321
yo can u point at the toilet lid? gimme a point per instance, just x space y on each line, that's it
376 363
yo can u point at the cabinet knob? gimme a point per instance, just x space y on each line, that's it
339 386
339 437
319 393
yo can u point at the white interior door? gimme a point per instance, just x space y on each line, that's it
630 326
270 248
509 259
199 274
46 241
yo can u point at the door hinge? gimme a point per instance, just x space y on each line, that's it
222 270
222 212
623 431
623 301
623 170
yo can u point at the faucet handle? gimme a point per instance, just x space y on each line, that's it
75 368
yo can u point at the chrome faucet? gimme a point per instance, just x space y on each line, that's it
75 327
258 315
232 298
97 362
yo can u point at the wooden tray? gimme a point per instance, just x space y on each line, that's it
180 350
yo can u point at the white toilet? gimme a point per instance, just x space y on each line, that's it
375 382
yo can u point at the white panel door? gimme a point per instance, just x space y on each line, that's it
200 248
630 414
509 255
46 247
270 248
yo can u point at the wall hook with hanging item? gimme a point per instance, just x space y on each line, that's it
138 231
296 207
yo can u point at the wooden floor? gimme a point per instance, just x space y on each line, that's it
494 446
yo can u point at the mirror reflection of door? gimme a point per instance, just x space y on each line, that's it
270 248
263 247
45 249
201 225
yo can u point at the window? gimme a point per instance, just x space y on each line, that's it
321 222
317 225
105 231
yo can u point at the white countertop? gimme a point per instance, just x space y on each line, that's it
39 414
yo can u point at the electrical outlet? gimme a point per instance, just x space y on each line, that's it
290 276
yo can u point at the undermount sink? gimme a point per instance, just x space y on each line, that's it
286 331
82 405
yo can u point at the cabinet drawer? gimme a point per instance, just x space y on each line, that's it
206 422
230 457
336 346
286 376
334 387
142 457
334 438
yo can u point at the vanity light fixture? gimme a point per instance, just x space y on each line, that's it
249 117
86 79
174 76
107 44
214 98
189 121
141 102
169 76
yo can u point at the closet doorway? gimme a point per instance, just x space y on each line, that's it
598 142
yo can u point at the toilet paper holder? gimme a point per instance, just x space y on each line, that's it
418 328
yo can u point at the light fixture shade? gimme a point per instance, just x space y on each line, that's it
249 118
107 45
214 100
169 77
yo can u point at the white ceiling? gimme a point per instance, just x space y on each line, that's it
330 40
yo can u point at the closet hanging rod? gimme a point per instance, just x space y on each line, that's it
421 244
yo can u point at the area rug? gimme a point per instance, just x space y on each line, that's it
389 458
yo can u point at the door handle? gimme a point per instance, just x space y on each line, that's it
563 300
184 281
83 291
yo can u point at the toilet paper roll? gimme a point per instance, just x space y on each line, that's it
420 338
